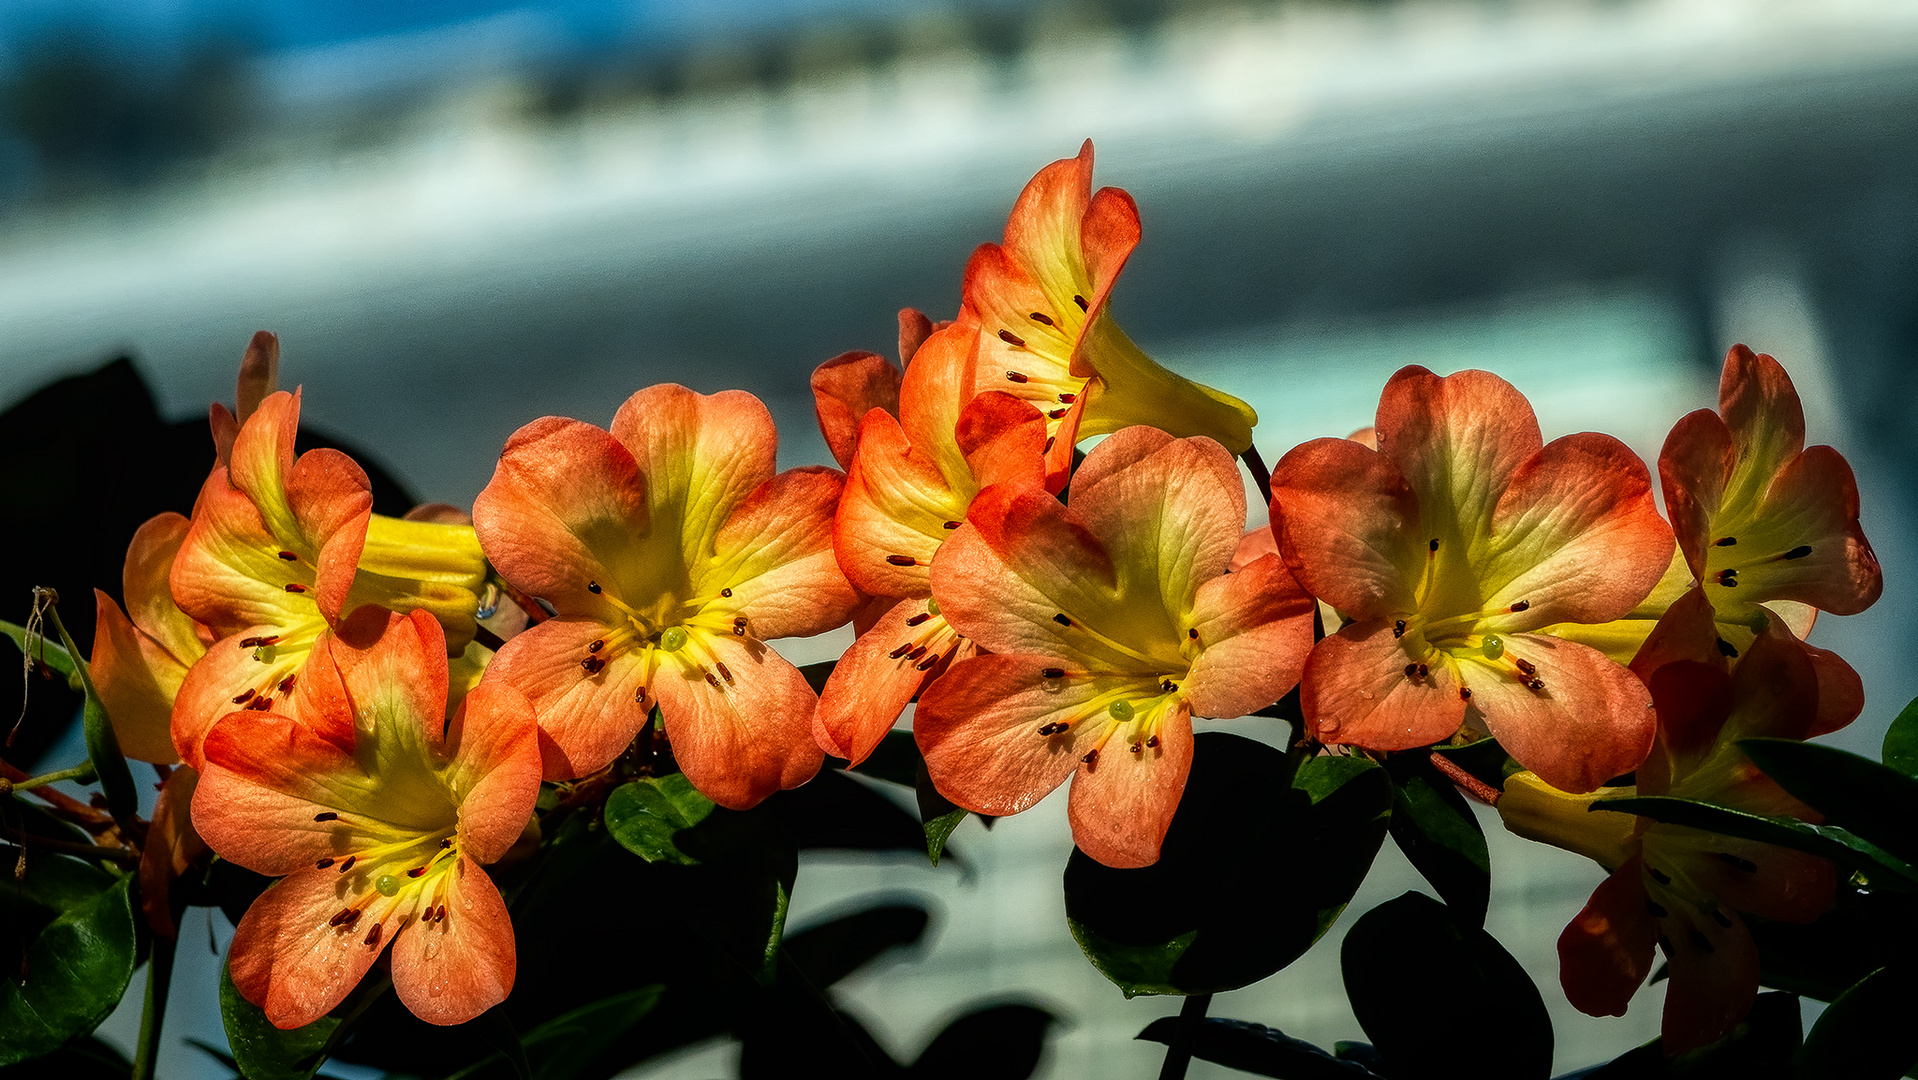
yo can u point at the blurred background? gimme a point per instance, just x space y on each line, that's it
463 214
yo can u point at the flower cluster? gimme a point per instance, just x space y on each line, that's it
1446 577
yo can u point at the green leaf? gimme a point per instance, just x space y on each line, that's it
264 1052
1253 1048
1901 741
1832 842
103 747
1004 1042
938 816
1261 858
647 816
48 652
567 1045
817 674
77 969
1435 827
1873 802
833 950
1867 1032
1822 959
844 812
1407 961
895 760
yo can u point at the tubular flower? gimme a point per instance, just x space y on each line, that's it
139 662
1765 522
1039 301
379 813
671 552
1678 888
1110 624
911 483
850 385
279 550
1447 548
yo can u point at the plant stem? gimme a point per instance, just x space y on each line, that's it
85 851
1261 475
82 772
153 1014
1179 1055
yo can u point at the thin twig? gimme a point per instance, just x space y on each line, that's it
1179 1055
1261 475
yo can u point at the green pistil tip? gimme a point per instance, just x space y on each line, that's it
1121 710
387 885
1494 647
674 639
266 654
932 606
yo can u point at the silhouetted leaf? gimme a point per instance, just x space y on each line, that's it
1004 1042
1867 1033
1872 802
1901 741
264 1052
1253 1048
830 951
1435 827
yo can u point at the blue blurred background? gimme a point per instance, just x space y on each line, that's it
460 215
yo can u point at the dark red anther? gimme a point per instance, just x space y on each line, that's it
1411 670
1535 684
639 696
416 871
1525 666
712 680
1465 693
1798 552
1091 757
1193 633
1138 748
286 685
1522 605
1081 301
725 592
902 560
1727 649
1057 414
1018 377
446 843
372 936
1398 629
260 704
1433 546
1725 541
1168 685
1050 439
595 645
244 696
916 653
295 587
343 916
1423 671
1062 620
1053 673
1012 339
919 618
593 587
348 863
440 916
724 672
900 651
326 815
1659 875
289 556
323 864
1067 399
952 524
930 662
1728 578
1042 319
1153 742
249 642
592 665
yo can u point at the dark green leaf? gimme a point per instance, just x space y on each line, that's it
1484 759
1829 841
1253 1048
1435 827
1875 803
817 674
76 971
937 815
568 1044
842 812
1260 860
103 747
646 817
1822 959
1004 1042
833 950
264 1052
82 1059
47 652
1408 959
498 1030
1866 1033
895 760
1901 741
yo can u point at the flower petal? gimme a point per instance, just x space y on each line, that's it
1350 527
266 777
1714 977
701 454
585 720
451 970
1457 440
566 506
870 686
1256 627
145 582
979 729
1592 720
740 719
894 509
1606 951
493 742
287 959
1356 692
844 390
776 554
138 680
1122 803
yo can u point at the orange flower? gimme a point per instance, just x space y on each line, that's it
911 483
1114 618
1447 548
379 812
139 662
1677 887
671 553
1039 301
280 549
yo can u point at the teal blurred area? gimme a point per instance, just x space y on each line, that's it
461 216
